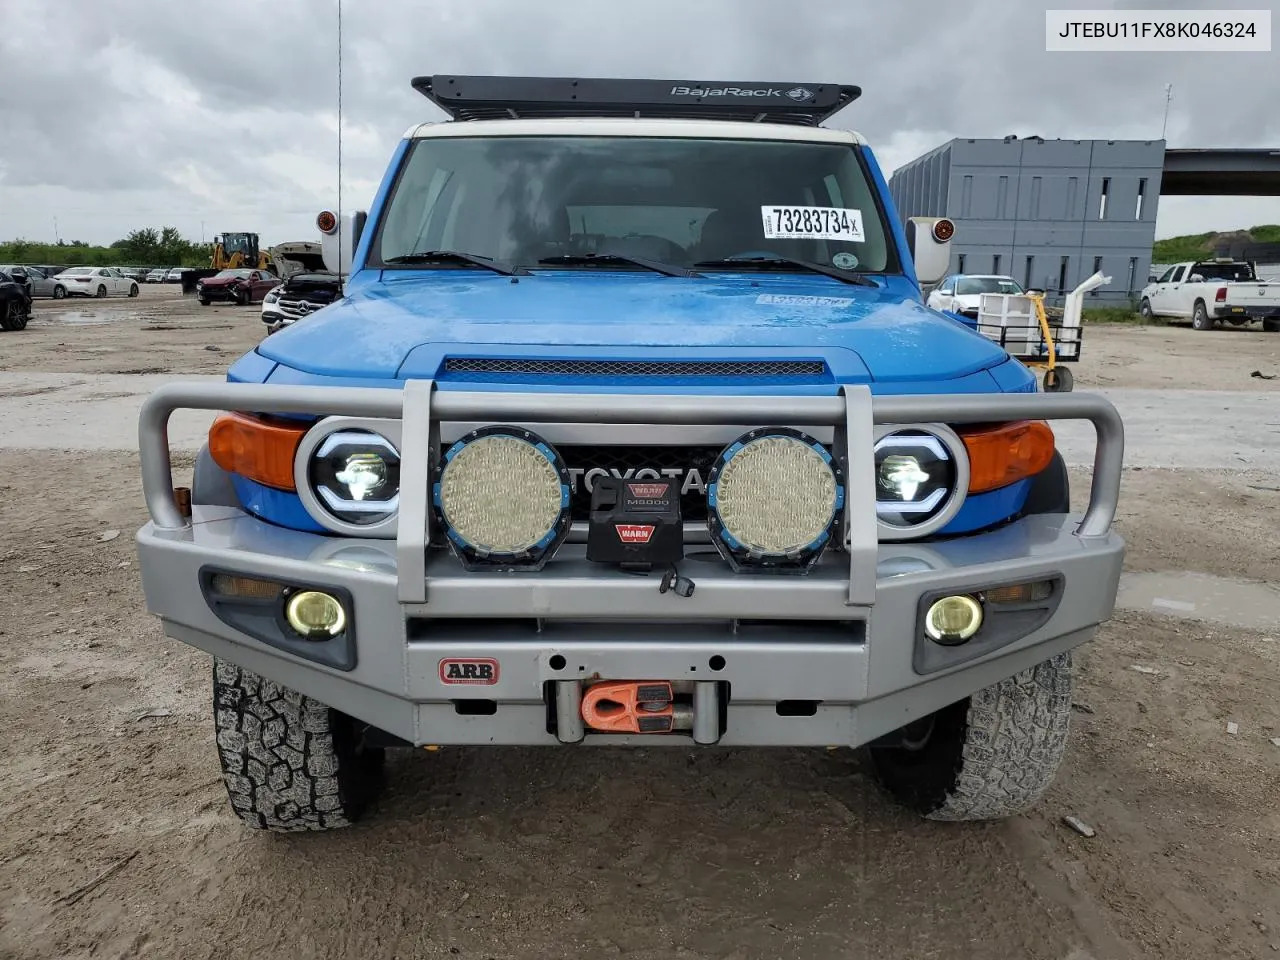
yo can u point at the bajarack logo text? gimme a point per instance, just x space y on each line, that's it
680 91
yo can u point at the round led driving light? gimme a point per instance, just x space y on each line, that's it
502 498
355 475
953 620
315 615
773 497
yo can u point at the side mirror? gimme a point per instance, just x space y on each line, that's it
946 293
338 239
928 240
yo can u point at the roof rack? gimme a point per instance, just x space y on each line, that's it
499 98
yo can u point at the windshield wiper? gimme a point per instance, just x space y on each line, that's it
775 259
453 256
570 259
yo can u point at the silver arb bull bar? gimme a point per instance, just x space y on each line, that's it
420 408
431 587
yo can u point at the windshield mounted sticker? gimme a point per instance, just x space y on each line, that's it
812 223
844 260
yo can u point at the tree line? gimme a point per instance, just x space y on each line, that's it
144 247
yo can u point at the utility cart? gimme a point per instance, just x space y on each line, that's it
1019 323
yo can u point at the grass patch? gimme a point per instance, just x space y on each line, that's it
1117 315
1199 246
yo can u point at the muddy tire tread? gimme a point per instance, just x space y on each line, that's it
285 766
989 756
1016 733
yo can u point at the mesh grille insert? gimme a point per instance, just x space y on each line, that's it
638 368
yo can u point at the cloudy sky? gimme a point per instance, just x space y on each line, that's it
116 114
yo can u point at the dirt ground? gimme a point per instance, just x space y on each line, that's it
530 853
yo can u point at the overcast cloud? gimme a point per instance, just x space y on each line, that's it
116 114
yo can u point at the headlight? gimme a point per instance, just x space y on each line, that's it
920 477
355 475
502 497
773 499
272 295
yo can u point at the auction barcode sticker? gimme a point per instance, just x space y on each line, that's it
812 223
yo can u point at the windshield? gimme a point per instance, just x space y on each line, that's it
674 200
235 242
972 286
228 274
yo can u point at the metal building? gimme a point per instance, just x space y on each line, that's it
1048 213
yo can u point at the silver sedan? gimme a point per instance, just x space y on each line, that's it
39 284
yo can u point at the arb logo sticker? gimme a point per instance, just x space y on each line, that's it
634 532
469 670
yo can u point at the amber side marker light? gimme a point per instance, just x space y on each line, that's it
1006 453
326 222
1020 592
247 588
943 230
255 448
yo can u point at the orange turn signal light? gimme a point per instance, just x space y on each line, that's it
255 449
1006 453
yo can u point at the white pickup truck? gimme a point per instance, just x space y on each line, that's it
1211 290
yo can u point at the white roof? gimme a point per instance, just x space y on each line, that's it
632 127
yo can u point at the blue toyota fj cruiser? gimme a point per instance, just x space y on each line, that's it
631 427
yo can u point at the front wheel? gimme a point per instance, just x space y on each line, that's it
14 316
1271 326
59 292
1200 319
290 763
204 301
133 290
987 757
1144 309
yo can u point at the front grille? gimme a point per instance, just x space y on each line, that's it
300 306
616 461
802 369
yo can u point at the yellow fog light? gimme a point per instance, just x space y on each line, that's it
315 615
953 619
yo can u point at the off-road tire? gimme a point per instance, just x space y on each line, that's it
13 317
989 756
59 292
290 763
1144 309
1200 319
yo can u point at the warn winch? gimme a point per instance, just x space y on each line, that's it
635 524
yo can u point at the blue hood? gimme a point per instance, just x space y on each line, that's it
405 325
